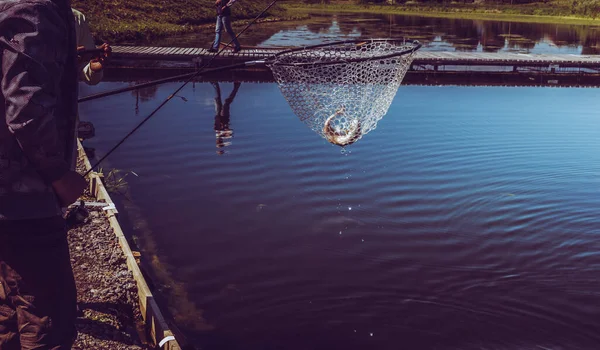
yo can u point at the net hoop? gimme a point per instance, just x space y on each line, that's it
342 89
276 60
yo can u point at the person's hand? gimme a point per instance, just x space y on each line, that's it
97 64
107 50
69 187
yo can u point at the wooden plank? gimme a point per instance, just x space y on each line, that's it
119 49
138 51
159 50
166 51
169 49
178 51
175 51
153 50
148 50
134 50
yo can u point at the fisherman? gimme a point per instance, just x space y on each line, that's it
90 67
91 71
39 93
224 20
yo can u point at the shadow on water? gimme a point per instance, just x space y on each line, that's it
436 33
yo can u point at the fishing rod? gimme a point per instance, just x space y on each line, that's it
96 51
183 85
137 86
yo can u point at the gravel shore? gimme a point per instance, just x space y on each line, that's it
109 313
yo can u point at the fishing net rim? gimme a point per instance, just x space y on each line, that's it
273 61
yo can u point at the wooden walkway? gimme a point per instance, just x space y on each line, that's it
434 59
429 67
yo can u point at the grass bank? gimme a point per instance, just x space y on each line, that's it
118 21
555 12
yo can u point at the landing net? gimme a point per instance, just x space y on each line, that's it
342 89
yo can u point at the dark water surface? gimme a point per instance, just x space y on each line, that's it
437 34
469 219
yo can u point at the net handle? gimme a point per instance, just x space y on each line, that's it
272 61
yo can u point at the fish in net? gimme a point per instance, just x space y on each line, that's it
342 89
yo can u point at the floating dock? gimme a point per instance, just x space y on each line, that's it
428 67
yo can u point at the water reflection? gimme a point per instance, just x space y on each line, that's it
223 132
142 94
440 34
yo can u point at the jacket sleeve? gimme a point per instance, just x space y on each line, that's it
90 77
33 58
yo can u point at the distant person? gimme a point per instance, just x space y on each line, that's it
91 67
222 116
38 299
224 20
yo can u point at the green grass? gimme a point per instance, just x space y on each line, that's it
140 20
556 12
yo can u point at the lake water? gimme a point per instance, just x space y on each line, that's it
469 219
438 34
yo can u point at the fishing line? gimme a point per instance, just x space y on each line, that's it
193 75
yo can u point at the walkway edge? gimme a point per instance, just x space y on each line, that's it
155 323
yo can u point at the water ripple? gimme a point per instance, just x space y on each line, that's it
467 220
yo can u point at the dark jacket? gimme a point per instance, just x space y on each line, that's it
39 95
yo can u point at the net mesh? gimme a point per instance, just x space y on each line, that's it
341 91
